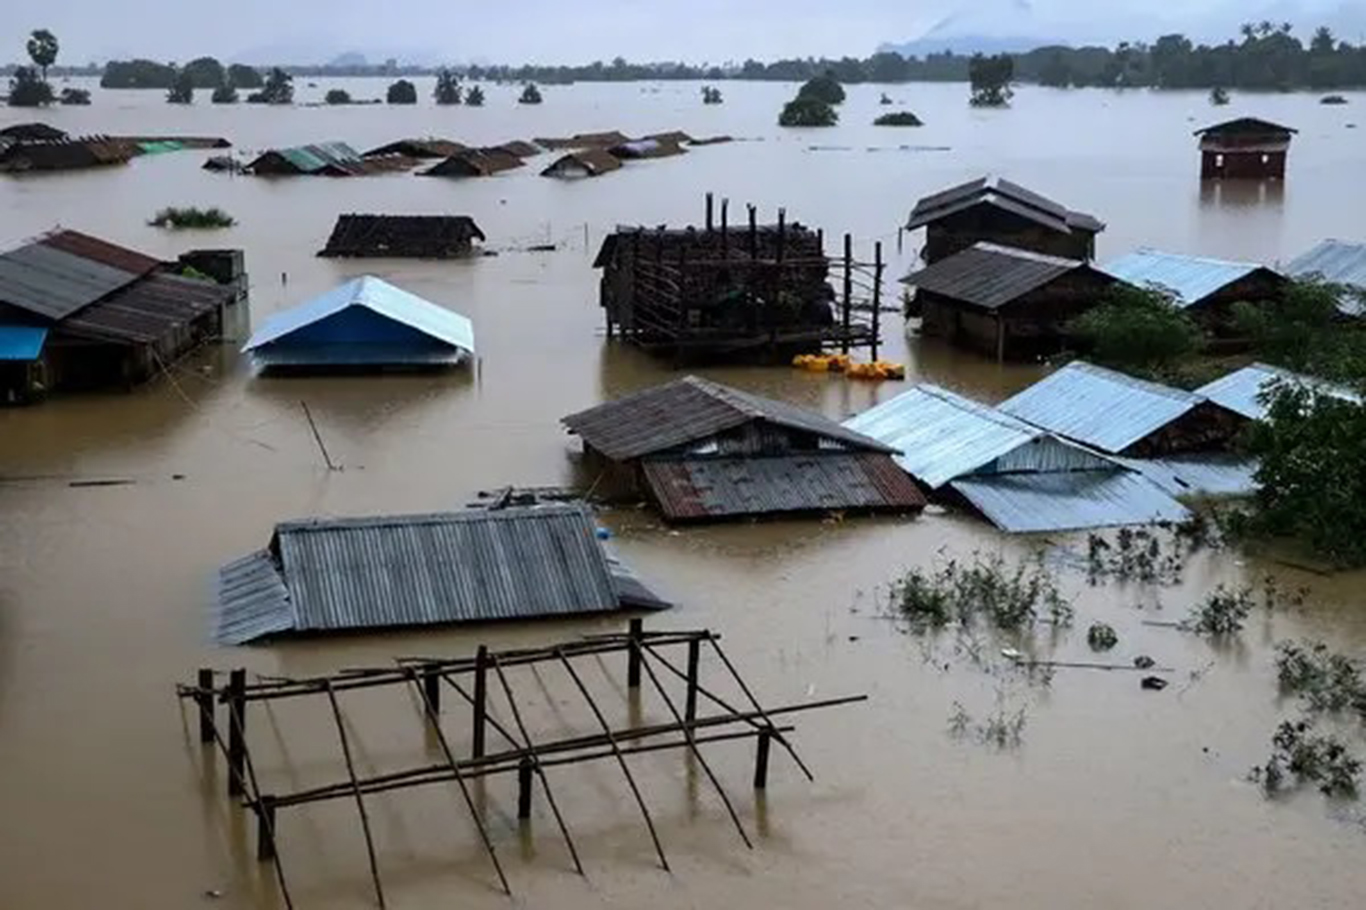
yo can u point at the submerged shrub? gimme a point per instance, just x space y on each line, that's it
1325 681
900 118
1222 612
962 593
192 217
1299 756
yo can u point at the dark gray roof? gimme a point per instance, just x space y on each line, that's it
990 275
692 409
1004 195
54 283
407 570
149 310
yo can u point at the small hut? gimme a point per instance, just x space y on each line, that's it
364 324
402 236
705 452
647 148
32 132
997 211
1245 149
591 162
327 159
475 163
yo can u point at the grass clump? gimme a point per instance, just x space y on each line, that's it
899 118
1001 730
192 217
984 589
1326 682
1300 756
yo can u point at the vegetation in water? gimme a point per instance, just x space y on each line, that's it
884 99
983 589
206 73
530 94
242 76
1137 330
1303 330
808 112
74 96
28 89
711 95
990 78
1332 99
401 92
192 217
1324 681
448 90
899 118
224 94
42 47
278 89
1144 555
1223 612
182 91
337 96
824 87
1101 636
474 97
1218 96
1300 756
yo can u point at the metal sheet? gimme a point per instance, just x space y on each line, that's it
1189 279
1098 407
1240 391
21 342
252 601
149 310
690 410
942 436
1007 196
1069 501
990 276
701 488
1204 474
53 283
1337 261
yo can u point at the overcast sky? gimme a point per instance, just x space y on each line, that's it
553 31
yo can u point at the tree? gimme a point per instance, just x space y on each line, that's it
278 89
1323 41
75 96
475 97
448 89
824 87
1302 330
899 118
224 94
401 92
183 90
137 74
337 96
1055 73
242 76
1137 330
27 89
991 78
711 95
807 110
206 72
887 67
1218 96
530 95
42 50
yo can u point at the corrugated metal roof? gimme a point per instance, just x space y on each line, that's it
1240 390
1201 474
1005 195
1339 262
592 161
691 409
699 488
148 310
420 236
990 275
419 148
378 296
474 163
1244 125
1098 407
474 566
21 342
53 283
1189 279
1072 500
943 436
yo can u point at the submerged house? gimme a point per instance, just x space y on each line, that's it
365 323
418 148
1019 477
32 132
408 236
1204 287
1243 391
18 155
474 163
1245 148
603 140
326 159
1181 440
346 574
639 149
1004 301
997 211
589 162
703 451
1339 262
78 313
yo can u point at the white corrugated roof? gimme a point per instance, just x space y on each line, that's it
1189 279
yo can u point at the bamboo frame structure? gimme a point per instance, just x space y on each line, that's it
523 755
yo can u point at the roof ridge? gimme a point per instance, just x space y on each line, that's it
1155 387
979 409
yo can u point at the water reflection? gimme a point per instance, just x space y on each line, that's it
1243 194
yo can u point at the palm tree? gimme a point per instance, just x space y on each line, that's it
42 50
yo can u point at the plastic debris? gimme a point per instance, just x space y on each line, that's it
1153 683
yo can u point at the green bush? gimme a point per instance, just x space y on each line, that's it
1137 330
808 112
900 118
337 96
530 95
27 89
224 94
75 96
192 217
401 92
475 97
447 89
824 87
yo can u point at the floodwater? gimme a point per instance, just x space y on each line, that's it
1115 797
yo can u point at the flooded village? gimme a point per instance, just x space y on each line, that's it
552 505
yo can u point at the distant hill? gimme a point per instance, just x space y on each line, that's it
967 44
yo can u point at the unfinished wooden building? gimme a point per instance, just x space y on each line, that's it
1244 149
756 291
403 236
998 211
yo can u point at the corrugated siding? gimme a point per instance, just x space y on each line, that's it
1190 279
444 568
149 310
1099 407
1070 501
990 276
730 487
1339 262
252 601
942 436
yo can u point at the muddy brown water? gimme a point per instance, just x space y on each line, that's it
1115 798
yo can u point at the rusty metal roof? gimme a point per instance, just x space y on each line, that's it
148 310
409 570
594 161
63 272
420 236
418 148
1005 195
990 276
702 488
474 163
690 410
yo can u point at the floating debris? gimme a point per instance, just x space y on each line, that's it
1101 637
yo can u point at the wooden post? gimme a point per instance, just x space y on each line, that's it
431 682
237 732
848 291
1000 338
725 226
205 701
265 829
481 689
524 769
753 233
877 295
782 234
900 236
694 663
761 760
633 655
710 203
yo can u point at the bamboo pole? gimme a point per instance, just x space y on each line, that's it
360 801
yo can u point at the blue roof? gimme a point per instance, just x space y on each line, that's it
942 436
1101 408
367 342
1069 500
1337 261
1241 390
21 342
1190 279
1200 474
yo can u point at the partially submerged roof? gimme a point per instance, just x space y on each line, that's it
1241 390
603 140
709 488
62 272
454 334
593 161
1069 501
1201 474
688 410
475 163
647 148
149 310
989 275
32 132
1339 262
419 236
319 158
1189 279
410 570
418 148
942 436
1246 126
1098 407
1007 196
65 153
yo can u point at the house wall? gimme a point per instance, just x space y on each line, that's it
1206 427
357 325
76 364
956 233
1232 164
